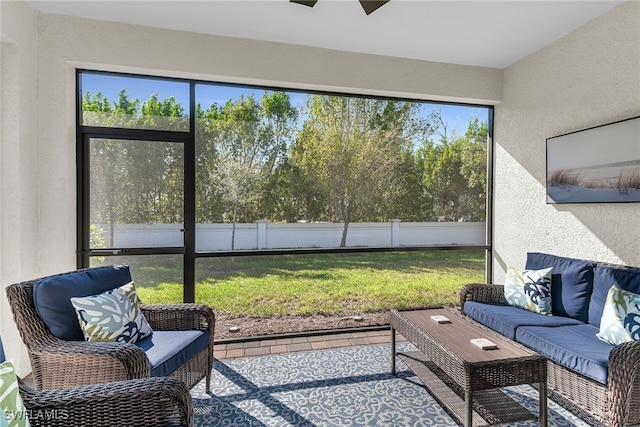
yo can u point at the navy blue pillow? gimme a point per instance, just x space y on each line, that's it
571 283
51 296
605 277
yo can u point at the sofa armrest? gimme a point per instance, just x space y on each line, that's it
141 402
481 293
60 364
623 382
179 317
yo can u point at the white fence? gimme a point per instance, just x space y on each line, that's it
264 235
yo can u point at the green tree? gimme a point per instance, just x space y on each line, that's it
238 181
248 134
351 147
209 204
135 181
455 175
474 168
244 144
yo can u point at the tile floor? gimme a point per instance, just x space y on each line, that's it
275 345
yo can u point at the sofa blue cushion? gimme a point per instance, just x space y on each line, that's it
506 319
606 276
571 283
169 350
575 347
51 296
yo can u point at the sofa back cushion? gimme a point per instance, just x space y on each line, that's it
571 283
627 278
52 296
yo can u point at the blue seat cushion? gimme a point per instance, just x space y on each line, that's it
571 283
506 319
575 347
51 296
169 350
606 276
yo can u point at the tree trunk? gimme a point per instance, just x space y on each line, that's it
233 229
343 241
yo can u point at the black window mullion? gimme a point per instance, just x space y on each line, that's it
189 288
135 134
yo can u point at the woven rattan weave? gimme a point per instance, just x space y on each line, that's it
142 402
616 404
59 364
475 372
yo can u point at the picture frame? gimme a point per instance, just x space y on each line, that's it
595 165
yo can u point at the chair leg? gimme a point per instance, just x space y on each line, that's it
209 382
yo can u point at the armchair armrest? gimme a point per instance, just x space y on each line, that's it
481 293
623 388
59 364
140 402
178 317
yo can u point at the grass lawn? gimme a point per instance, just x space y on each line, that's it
268 286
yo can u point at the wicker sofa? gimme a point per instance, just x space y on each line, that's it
596 377
181 346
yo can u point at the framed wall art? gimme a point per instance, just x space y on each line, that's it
596 165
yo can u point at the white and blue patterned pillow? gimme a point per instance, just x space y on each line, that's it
621 317
529 289
113 316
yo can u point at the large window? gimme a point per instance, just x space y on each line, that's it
174 171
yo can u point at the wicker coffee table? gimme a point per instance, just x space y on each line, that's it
464 377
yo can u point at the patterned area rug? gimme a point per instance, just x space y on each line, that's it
343 387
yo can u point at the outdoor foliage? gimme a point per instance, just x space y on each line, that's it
341 159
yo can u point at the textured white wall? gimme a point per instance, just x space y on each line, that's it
588 78
19 236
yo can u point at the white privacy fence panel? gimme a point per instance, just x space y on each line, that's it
264 235
442 233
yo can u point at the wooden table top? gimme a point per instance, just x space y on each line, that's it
456 336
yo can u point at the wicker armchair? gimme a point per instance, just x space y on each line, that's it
142 402
58 363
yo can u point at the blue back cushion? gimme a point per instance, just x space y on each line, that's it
51 296
571 283
2 358
604 277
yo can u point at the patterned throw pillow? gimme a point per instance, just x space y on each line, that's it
113 316
529 289
14 414
621 317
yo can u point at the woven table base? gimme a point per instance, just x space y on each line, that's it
490 406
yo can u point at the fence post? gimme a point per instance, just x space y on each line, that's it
261 236
395 232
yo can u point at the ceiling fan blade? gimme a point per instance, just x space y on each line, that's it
371 6
309 3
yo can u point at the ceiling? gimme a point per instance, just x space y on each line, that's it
474 32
